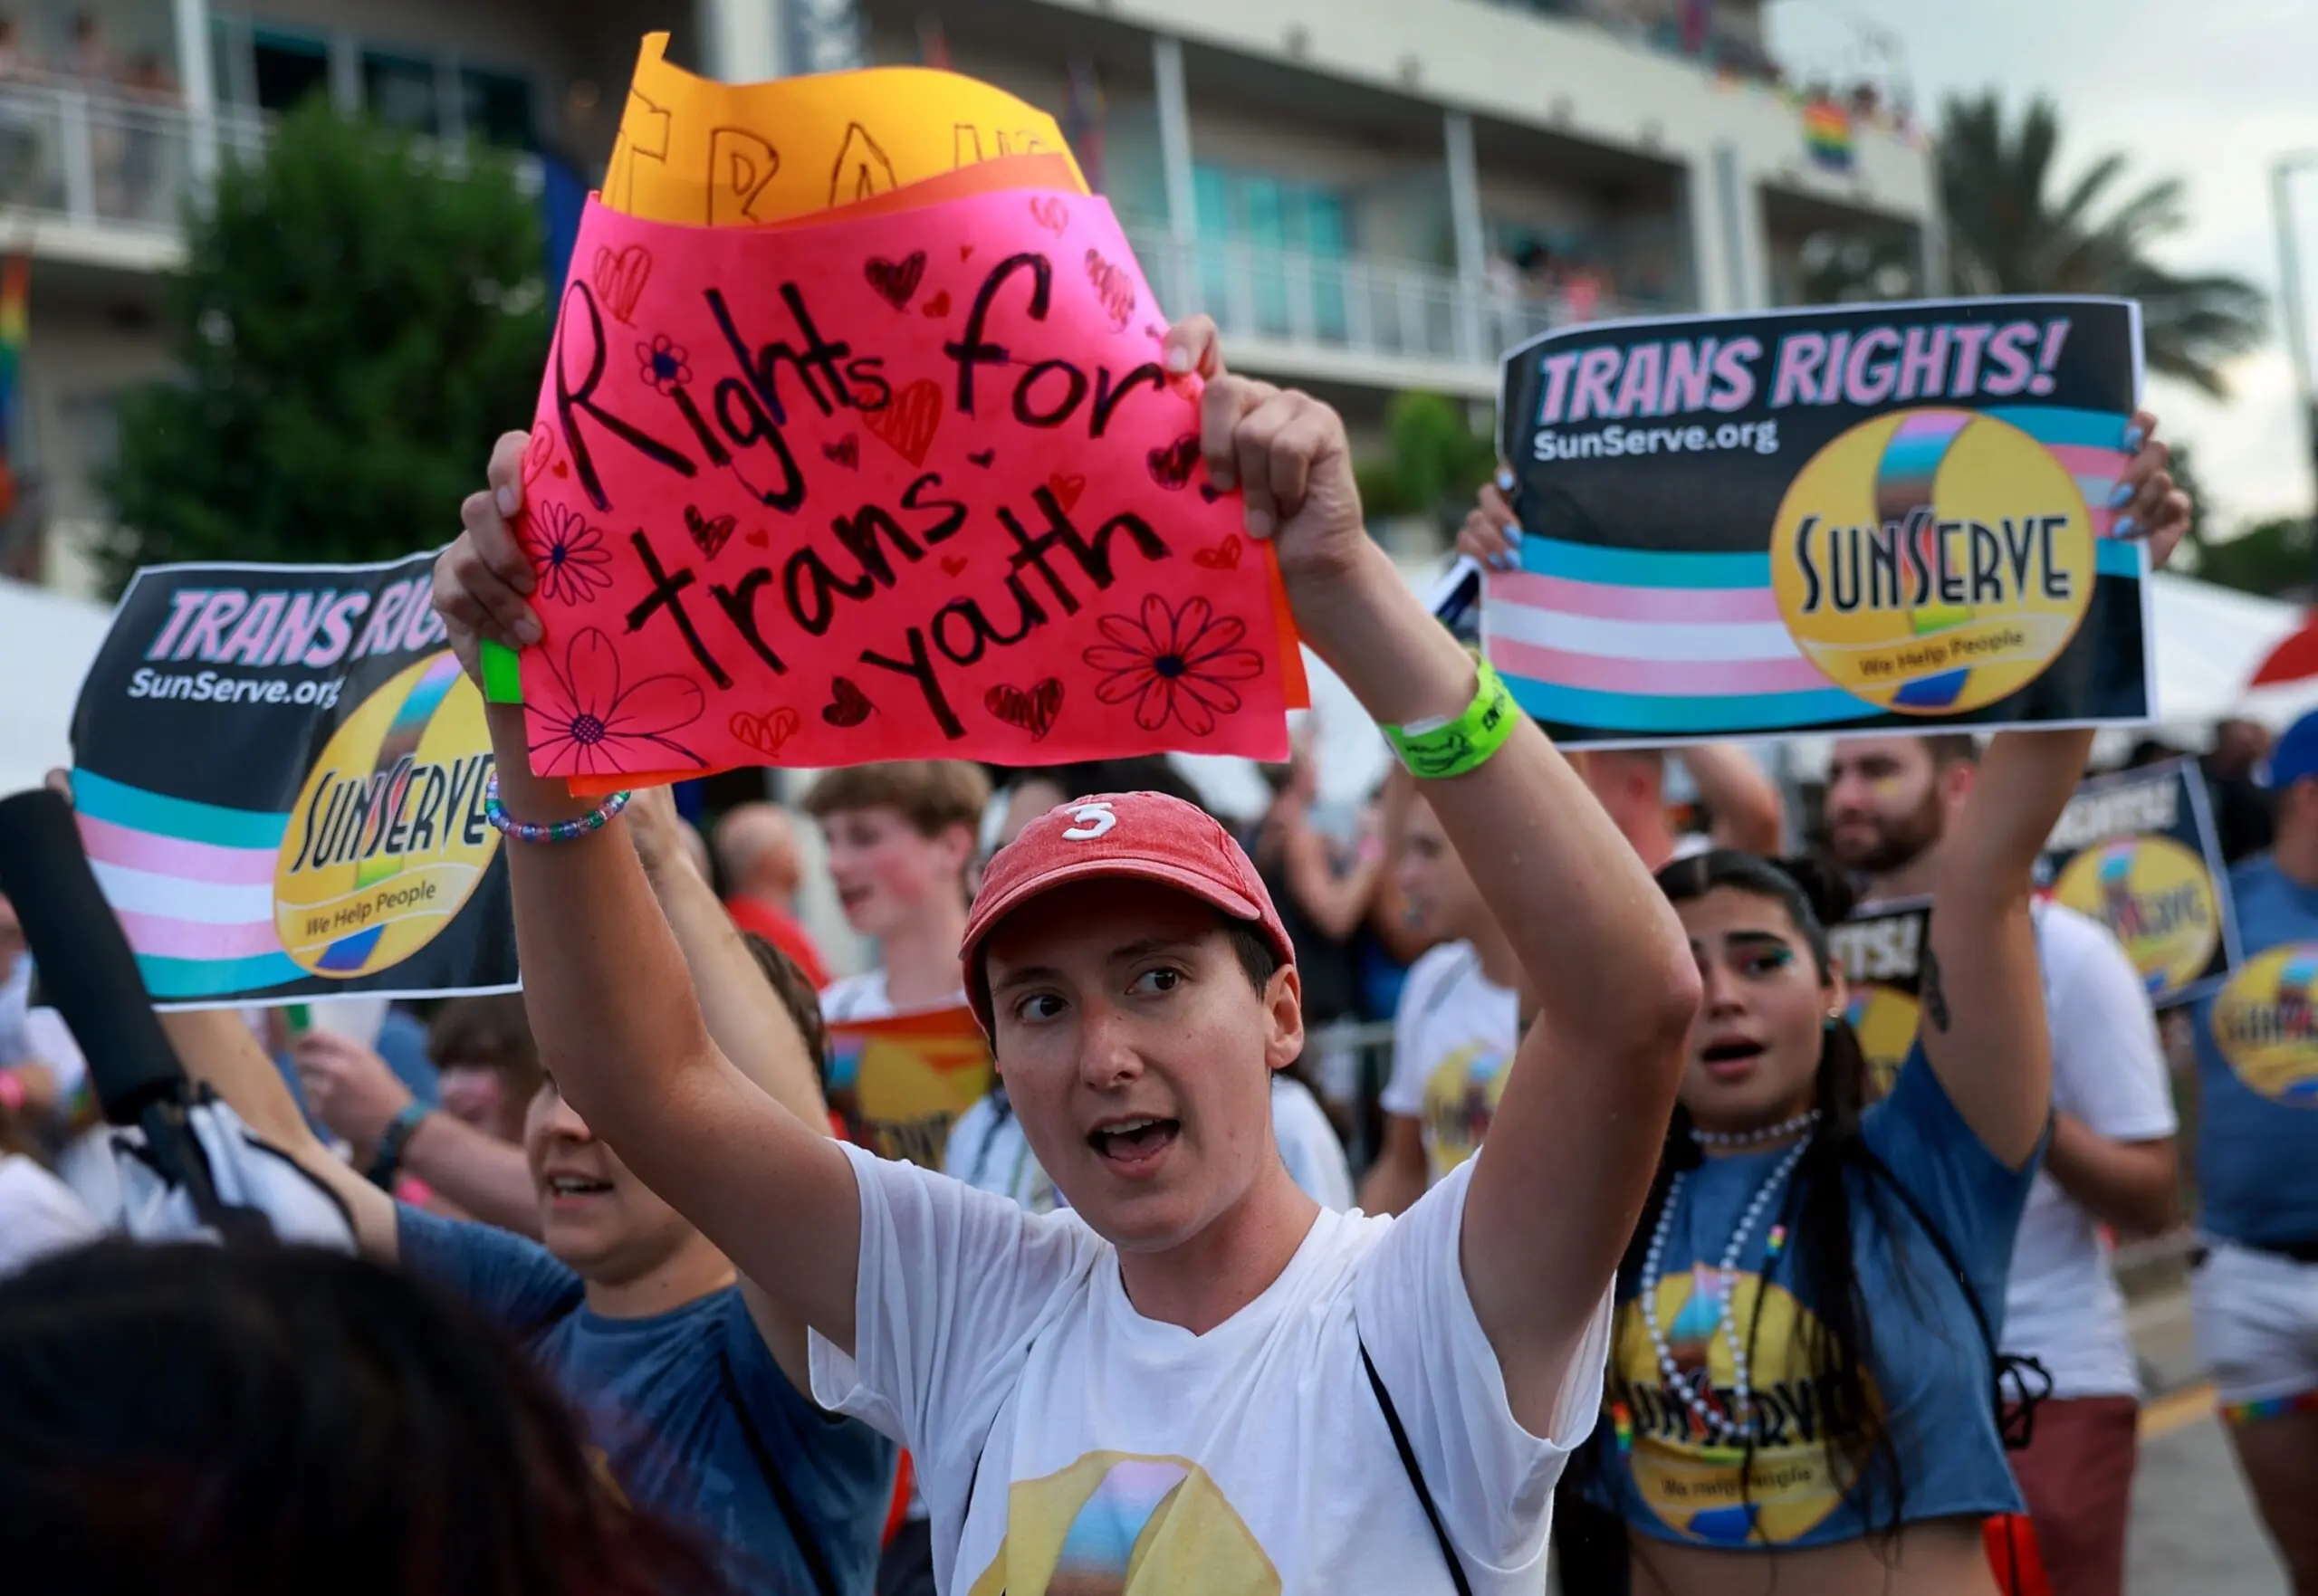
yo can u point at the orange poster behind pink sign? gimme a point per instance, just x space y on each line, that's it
909 485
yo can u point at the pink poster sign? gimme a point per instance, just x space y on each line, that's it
915 485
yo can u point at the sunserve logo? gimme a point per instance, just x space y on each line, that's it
2155 897
1933 561
2264 1026
388 840
1689 1479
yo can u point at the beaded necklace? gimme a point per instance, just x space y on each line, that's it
1778 1132
1694 1392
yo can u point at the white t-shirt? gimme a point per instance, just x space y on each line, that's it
37 1036
2062 1305
1067 1443
863 996
1689 844
39 1215
989 1152
1453 1037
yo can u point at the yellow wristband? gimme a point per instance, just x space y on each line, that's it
1433 750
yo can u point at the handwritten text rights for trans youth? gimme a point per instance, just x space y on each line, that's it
911 485
1867 365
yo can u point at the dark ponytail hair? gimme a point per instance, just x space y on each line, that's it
1816 1207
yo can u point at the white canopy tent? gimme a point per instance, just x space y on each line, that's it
47 641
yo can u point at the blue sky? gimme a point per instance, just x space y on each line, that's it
2210 90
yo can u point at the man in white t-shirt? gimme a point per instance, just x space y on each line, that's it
1182 1383
1455 1028
2111 1161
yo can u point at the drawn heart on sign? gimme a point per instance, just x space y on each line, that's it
965 252
1114 287
759 538
1171 465
1033 712
537 453
1151 331
1224 557
897 280
1209 492
848 704
711 535
846 452
953 564
936 307
909 420
982 457
1066 489
765 733
620 278
1051 214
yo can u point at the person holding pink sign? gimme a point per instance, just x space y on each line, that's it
1197 1371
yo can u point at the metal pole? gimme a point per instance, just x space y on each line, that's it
2290 301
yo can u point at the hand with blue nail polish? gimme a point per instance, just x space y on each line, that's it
1490 535
2152 509
2123 493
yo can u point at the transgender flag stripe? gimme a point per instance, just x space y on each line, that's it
191 883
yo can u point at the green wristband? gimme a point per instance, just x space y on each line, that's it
1434 750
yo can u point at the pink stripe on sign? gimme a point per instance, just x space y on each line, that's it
160 935
109 844
2085 460
1662 678
1604 602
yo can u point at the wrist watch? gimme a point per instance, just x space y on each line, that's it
391 1142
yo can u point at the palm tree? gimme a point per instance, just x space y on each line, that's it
2008 234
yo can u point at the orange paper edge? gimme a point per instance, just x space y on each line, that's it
990 177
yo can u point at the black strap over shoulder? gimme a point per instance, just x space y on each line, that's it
815 1567
2019 1383
1416 1475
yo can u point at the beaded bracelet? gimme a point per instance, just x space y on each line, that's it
569 830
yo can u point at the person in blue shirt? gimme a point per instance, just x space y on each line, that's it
1802 1389
691 1381
2255 1292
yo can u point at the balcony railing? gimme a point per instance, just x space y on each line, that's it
1390 312
102 159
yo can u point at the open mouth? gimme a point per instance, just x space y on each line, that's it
1134 1146
1729 1060
572 1186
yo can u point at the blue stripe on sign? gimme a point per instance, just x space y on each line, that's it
2090 429
1642 713
1643 568
2117 556
182 818
170 980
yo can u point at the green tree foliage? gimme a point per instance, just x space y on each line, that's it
359 316
2013 228
1434 464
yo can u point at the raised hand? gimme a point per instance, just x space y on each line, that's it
483 580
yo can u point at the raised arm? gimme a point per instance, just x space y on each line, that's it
1743 800
611 1005
1576 1135
746 1018
1983 1025
217 1049
353 1092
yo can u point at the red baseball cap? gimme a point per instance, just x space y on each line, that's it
1137 835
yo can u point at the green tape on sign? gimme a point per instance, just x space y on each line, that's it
503 676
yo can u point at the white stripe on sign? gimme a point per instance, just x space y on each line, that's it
204 902
1702 642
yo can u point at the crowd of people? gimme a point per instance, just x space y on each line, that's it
1648 1252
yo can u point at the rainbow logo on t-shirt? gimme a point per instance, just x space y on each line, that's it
1115 1523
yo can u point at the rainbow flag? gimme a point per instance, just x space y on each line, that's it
1827 134
16 298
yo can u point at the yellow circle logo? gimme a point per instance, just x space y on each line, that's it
1691 1479
1115 1522
1932 561
2155 897
389 839
2265 1028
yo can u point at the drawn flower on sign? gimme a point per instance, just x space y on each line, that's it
1173 664
567 553
667 366
589 722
